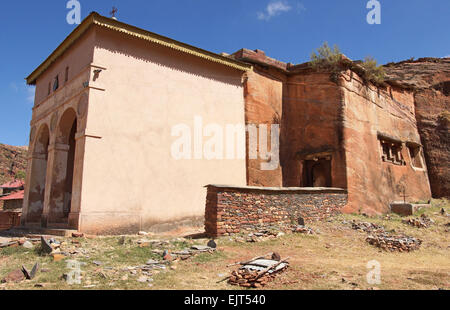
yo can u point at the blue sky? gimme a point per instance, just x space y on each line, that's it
287 30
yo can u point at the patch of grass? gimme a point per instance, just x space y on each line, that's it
209 257
318 261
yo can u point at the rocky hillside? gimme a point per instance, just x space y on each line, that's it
13 163
430 77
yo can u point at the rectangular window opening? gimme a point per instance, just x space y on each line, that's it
415 152
56 83
317 172
392 152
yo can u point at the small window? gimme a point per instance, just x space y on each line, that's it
49 88
56 83
415 153
67 74
392 152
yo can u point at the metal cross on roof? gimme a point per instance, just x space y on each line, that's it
113 11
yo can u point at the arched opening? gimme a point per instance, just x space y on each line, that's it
38 176
61 194
317 173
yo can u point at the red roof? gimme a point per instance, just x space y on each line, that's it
13 184
14 196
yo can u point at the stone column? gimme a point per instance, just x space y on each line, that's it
74 216
54 188
33 203
23 219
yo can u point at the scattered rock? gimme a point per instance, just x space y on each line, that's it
301 221
9 244
142 233
394 243
303 230
368 227
57 257
168 257
45 246
28 245
77 235
259 236
14 276
212 244
276 256
152 262
422 222
97 263
29 275
122 240
142 279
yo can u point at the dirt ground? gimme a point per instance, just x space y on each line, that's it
335 257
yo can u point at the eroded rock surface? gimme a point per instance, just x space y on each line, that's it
430 77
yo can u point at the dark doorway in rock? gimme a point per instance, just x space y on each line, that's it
317 173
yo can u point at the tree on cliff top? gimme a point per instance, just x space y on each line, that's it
326 57
373 72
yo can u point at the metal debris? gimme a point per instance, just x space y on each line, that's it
258 272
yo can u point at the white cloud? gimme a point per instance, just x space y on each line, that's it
30 94
274 8
448 56
14 87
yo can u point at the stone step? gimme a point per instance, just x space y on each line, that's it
407 209
58 232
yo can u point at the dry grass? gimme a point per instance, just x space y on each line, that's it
336 258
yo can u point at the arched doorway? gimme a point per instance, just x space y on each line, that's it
317 173
61 193
38 176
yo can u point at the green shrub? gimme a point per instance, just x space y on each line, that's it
373 72
21 175
326 57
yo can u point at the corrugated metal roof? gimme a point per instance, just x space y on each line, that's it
13 184
14 196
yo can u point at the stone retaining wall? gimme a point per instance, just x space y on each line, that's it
231 210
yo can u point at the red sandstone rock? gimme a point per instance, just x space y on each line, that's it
431 79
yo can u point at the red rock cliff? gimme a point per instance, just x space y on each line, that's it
430 77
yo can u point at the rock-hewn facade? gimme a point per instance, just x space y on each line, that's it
430 80
342 132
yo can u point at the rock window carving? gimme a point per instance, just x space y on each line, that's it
415 153
392 152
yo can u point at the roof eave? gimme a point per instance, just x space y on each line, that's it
96 19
